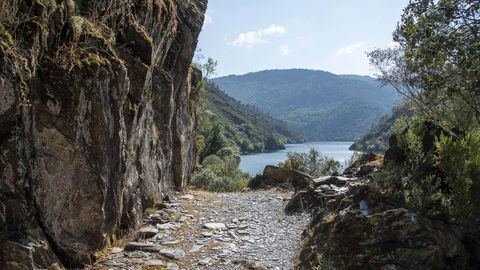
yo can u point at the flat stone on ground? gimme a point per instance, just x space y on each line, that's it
215 226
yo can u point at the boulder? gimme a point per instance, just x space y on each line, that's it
146 232
391 239
364 166
282 178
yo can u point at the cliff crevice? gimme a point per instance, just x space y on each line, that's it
97 116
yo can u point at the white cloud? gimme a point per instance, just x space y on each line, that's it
248 39
285 50
350 48
208 20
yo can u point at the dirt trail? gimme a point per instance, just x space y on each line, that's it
201 230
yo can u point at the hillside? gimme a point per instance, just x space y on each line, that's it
321 105
375 140
249 128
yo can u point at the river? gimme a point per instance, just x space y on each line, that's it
255 163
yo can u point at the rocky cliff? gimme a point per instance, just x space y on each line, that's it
97 117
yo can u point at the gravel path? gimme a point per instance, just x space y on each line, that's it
201 230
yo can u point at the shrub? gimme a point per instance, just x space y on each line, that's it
312 163
459 161
440 174
212 160
229 153
220 172
209 179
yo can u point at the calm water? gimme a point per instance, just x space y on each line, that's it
255 163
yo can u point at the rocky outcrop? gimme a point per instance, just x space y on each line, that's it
97 109
355 226
327 189
391 239
281 178
364 166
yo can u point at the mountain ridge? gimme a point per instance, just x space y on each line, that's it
246 126
320 104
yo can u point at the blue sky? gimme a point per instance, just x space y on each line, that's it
332 35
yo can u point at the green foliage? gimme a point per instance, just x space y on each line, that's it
321 105
312 163
208 179
208 67
436 64
212 160
219 175
215 141
220 171
375 140
243 126
459 160
442 180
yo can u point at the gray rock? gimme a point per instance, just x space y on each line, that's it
205 261
171 243
215 226
172 266
135 246
146 232
187 197
155 262
172 253
196 247
207 234
166 226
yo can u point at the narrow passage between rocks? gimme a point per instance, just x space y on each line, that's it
202 230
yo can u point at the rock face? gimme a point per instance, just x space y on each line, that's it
97 116
280 177
354 226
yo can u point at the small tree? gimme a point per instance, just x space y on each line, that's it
312 163
436 63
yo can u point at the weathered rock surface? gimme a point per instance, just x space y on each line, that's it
354 226
97 116
391 239
281 178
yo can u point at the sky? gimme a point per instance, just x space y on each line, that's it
332 35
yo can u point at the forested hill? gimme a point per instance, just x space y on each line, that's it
249 128
319 104
376 138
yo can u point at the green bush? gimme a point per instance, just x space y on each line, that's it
312 163
220 172
212 160
440 174
459 161
209 179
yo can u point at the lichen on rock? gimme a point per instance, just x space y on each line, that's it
68 184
